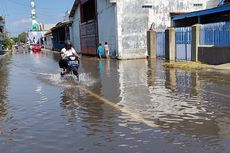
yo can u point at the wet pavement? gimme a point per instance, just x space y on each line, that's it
131 106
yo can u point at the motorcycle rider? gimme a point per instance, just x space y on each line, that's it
67 52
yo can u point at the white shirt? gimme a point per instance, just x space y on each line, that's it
69 52
106 47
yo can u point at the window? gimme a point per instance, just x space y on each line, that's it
88 11
198 5
147 6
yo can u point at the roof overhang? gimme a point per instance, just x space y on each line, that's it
74 8
172 14
62 24
214 10
48 33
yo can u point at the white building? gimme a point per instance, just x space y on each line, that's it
123 23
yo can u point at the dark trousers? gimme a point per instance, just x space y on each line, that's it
63 64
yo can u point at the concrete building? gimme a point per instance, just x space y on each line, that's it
210 41
60 33
123 24
2 30
37 36
221 13
56 36
37 32
48 40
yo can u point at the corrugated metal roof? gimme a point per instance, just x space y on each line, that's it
215 10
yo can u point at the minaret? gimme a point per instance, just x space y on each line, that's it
33 12
35 25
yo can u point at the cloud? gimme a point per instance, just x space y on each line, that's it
15 27
21 22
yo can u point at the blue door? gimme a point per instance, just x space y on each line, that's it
183 43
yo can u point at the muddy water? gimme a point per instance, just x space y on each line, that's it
117 106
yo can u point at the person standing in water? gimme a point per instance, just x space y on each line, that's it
106 49
100 51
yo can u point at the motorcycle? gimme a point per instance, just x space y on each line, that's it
72 67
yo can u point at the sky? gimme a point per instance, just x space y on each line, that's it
17 13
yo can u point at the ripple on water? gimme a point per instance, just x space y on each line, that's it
68 80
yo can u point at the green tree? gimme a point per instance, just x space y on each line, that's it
15 39
22 37
8 42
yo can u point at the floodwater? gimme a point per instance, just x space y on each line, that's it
130 106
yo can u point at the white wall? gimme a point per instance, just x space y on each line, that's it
132 24
159 14
35 36
213 3
75 30
106 24
124 24
133 21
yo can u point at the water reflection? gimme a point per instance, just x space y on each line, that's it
100 68
191 109
176 100
133 81
71 103
3 91
96 119
54 55
107 65
187 106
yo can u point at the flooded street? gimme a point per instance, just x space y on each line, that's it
129 106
